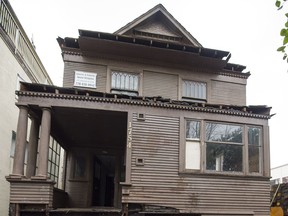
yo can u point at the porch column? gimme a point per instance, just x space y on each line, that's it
32 148
21 135
44 143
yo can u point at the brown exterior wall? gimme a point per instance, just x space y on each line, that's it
79 190
158 181
71 67
160 84
227 92
156 80
24 192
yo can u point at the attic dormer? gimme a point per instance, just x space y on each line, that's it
158 24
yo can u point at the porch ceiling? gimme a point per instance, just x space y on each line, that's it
75 127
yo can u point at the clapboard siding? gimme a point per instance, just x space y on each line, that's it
31 193
159 84
158 181
228 93
78 193
71 67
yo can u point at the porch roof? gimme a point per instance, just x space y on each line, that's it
49 91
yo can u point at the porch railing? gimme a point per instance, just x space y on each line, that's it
23 46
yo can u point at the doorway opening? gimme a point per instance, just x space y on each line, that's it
105 178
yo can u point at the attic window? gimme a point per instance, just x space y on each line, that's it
157 36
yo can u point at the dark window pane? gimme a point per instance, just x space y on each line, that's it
254 158
193 130
254 135
223 133
79 167
224 157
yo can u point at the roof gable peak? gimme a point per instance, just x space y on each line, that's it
159 24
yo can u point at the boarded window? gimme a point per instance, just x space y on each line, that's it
194 90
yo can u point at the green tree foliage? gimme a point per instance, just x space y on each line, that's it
284 31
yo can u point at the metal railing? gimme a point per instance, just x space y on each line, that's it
23 46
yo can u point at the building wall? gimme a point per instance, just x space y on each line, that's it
158 181
10 69
18 62
279 174
155 80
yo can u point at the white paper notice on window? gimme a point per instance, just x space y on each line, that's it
85 79
193 155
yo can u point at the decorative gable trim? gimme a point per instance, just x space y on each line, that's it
158 9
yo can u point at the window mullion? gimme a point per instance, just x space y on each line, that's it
203 147
245 150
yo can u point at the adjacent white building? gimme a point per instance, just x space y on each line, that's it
19 62
279 174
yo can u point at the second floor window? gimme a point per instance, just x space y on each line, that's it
124 83
193 90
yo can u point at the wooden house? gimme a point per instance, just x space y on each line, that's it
152 123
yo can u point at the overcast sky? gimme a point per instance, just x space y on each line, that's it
249 29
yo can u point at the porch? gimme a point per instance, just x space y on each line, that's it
94 140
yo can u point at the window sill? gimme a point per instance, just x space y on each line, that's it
126 183
78 180
194 100
189 173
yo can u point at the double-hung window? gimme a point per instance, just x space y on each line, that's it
193 90
124 83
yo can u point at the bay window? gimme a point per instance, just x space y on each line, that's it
222 147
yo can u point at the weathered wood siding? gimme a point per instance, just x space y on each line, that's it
25 192
160 84
228 93
79 190
156 140
71 67
159 80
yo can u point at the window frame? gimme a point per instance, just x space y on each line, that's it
225 143
124 91
194 99
261 150
203 148
193 140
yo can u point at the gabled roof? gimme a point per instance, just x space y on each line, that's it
156 20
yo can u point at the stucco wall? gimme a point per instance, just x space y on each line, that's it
10 69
